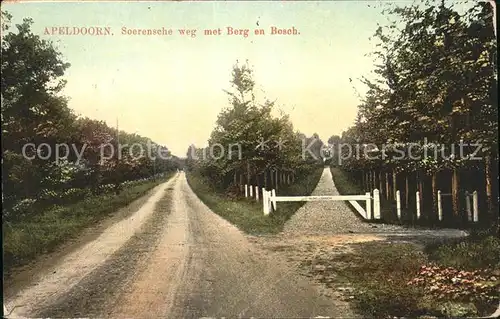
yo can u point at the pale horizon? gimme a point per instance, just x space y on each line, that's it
170 88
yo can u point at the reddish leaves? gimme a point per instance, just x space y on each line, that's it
453 284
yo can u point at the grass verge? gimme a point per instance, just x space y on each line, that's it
247 214
24 241
454 279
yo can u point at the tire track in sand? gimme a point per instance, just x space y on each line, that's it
55 283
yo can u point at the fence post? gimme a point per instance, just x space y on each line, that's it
398 204
417 198
440 207
251 190
246 190
376 204
273 194
269 204
467 206
265 202
368 206
475 206
257 193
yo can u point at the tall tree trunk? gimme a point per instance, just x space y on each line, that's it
374 181
380 181
277 179
248 173
387 190
371 180
489 193
434 196
363 180
407 190
367 181
273 181
265 180
455 195
394 183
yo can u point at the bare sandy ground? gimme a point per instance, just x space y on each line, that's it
205 267
173 258
56 281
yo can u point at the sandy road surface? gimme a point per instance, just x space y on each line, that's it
54 283
173 258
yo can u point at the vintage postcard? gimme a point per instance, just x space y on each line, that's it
250 159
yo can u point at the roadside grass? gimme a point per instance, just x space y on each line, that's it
247 214
25 240
381 272
474 252
344 183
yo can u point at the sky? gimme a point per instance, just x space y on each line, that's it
170 88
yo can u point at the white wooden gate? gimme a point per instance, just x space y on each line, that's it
270 199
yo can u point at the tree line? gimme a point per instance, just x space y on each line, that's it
435 89
256 144
35 114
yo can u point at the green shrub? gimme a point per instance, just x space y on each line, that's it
469 253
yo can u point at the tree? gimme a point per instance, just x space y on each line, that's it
259 146
32 112
436 88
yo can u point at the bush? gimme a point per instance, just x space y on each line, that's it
470 253
21 209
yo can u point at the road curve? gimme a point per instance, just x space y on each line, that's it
184 261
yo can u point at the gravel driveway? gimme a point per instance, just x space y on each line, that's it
336 217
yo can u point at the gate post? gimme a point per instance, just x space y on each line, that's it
246 190
417 197
251 190
257 193
265 201
398 204
273 194
376 204
440 207
475 206
368 206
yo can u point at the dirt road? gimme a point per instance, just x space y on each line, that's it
173 258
